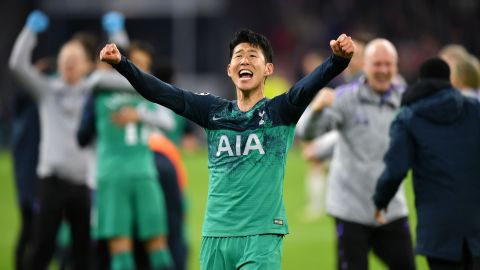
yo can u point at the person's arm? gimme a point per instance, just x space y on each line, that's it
321 148
294 102
303 91
87 131
113 23
319 117
195 107
108 79
160 117
20 62
398 159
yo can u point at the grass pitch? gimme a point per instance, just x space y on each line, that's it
310 245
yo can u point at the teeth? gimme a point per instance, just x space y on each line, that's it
245 71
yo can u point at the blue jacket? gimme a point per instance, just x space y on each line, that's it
438 137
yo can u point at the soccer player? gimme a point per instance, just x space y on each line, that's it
129 201
248 140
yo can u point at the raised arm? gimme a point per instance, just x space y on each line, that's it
114 24
397 163
20 62
150 87
195 107
302 93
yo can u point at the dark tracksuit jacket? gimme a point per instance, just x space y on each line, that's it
437 135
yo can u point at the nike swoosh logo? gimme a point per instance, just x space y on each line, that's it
216 118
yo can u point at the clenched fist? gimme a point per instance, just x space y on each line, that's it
110 54
343 46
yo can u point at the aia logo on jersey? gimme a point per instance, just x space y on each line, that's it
252 144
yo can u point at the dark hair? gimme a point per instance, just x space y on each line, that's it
142 46
89 42
434 68
254 39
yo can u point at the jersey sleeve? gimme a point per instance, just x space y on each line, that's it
195 107
296 100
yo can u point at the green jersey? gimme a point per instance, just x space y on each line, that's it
122 151
247 151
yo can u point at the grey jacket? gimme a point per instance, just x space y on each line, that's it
362 119
60 107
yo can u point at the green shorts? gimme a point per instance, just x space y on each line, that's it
262 251
125 205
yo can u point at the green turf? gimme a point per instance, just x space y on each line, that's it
9 213
310 245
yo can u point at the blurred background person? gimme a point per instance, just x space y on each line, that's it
143 55
25 141
62 187
436 135
129 202
465 77
464 69
318 151
315 180
361 112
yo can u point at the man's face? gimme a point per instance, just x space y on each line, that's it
247 68
73 63
380 69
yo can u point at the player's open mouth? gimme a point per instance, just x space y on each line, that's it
245 74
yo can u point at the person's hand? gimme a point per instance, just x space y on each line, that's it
113 22
323 99
110 54
37 21
125 115
343 46
379 217
308 152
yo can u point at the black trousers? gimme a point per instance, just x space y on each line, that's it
58 200
25 236
391 243
468 262
175 210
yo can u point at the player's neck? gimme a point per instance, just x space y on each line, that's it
247 99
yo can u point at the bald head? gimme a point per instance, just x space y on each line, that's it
380 64
380 44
